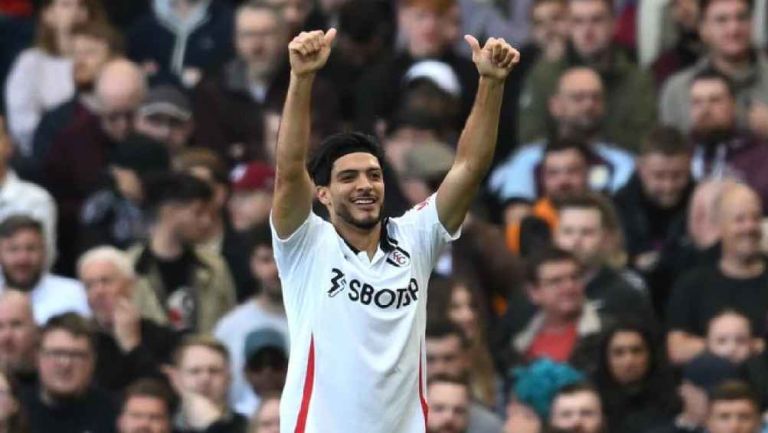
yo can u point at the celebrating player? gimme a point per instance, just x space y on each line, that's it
355 287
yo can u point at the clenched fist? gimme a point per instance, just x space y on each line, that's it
309 51
494 60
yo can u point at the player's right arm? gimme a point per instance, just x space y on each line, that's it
292 200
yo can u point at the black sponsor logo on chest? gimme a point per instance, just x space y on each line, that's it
366 294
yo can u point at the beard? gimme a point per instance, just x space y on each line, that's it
711 137
25 285
343 211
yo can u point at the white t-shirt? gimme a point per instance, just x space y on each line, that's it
357 326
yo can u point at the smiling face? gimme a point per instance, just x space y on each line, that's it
355 193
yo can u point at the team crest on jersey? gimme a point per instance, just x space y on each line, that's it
399 257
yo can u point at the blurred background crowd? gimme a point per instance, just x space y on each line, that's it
611 277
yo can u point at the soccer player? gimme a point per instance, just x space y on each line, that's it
354 288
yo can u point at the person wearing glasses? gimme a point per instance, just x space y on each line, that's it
65 401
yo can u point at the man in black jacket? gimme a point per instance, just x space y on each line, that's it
653 208
65 401
128 347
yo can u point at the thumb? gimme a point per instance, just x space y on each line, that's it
473 43
330 35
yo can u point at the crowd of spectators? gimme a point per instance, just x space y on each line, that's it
611 277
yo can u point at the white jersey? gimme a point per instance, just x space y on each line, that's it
357 326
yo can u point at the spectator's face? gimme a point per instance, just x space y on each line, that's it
205 372
22 257
63 15
726 28
686 14
740 217
118 114
175 133
591 26
259 40
9 406
702 225
730 337
89 55
550 22
563 173
559 291
424 30
462 311
264 269
106 286
294 12
248 209
580 412
445 356
664 177
578 105
628 357
448 408
355 194
580 231
268 418
713 108
190 221
733 416
265 371
18 334
65 364
144 414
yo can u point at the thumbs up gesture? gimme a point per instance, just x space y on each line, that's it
494 60
309 51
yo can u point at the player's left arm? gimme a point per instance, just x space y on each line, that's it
476 145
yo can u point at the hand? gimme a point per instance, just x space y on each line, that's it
495 60
758 119
309 51
127 325
197 411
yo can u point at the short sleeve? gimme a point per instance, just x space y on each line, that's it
290 251
422 226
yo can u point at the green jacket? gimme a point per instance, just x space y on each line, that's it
630 100
211 281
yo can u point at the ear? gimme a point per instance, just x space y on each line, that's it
324 195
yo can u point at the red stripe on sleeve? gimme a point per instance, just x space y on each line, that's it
309 382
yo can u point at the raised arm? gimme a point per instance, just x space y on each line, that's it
292 200
474 155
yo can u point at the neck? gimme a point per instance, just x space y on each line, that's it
64 43
268 303
257 76
361 239
732 65
164 244
3 173
556 322
742 267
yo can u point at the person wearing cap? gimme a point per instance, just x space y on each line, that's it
700 377
422 23
113 215
166 116
263 310
251 198
266 364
